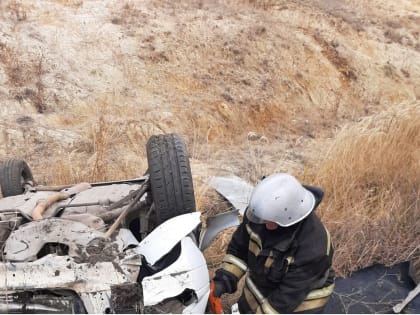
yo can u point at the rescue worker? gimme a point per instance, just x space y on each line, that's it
283 247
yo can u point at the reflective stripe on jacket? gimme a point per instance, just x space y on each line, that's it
288 269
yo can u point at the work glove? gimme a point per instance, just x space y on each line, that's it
219 288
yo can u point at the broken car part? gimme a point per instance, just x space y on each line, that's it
43 204
234 189
129 208
216 224
93 247
139 180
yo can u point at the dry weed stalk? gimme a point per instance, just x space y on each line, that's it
372 180
101 134
17 10
70 169
129 14
262 4
227 123
22 73
38 98
13 65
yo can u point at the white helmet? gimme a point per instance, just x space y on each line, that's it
280 198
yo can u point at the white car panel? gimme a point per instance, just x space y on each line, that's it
188 271
234 189
164 237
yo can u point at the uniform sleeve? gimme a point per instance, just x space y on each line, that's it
234 264
238 246
304 274
295 286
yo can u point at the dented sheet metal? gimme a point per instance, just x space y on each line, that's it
163 238
234 189
189 271
201 304
25 203
74 254
25 243
216 224
100 194
98 302
60 272
92 282
127 238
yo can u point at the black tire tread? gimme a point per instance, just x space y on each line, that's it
170 176
11 172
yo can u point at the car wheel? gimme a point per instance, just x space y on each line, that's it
14 174
170 177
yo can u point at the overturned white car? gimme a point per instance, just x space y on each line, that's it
130 246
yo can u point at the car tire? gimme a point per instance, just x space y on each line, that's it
170 177
14 174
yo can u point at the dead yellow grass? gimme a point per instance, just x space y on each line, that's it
371 176
292 71
224 122
25 77
112 149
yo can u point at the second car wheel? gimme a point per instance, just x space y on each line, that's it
14 175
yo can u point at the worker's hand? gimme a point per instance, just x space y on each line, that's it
219 288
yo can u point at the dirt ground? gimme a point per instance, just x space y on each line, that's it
262 81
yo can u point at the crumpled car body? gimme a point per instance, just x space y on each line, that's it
129 246
96 266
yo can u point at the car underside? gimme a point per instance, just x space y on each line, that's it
126 246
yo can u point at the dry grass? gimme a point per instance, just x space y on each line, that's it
370 173
290 71
70 3
37 97
101 134
14 66
110 150
227 123
25 76
372 178
17 11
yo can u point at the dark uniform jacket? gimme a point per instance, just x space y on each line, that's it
288 269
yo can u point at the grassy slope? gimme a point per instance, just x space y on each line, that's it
326 90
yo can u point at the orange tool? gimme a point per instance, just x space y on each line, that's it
215 303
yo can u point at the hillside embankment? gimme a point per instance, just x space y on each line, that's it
326 90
